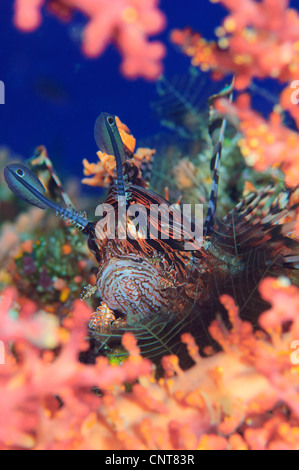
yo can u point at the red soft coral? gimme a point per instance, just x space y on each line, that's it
36 381
264 143
222 402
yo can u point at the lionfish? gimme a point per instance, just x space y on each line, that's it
154 286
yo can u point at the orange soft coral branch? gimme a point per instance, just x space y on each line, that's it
40 330
280 293
265 143
102 173
257 39
128 23
27 14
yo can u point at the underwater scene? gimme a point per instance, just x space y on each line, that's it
149 226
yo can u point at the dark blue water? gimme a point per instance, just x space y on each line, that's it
54 93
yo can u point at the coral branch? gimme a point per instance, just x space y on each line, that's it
265 143
127 23
102 172
257 39
222 402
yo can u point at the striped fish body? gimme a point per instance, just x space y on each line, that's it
157 290
145 277
153 286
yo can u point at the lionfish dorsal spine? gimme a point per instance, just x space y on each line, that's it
215 166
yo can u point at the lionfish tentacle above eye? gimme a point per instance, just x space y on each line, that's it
25 184
215 164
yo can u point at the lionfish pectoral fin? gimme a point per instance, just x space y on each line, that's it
255 240
252 241
257 219
25 184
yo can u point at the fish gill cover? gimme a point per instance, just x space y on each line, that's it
139 343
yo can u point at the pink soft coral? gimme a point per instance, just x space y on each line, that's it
128 23
257 39
222 402
265 143
33 376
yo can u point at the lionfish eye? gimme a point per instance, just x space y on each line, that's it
110 120
20 172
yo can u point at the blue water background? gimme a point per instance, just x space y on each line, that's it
54 93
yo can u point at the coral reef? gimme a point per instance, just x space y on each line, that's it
257 39
265 142
127 23
35 381
49 403
187 106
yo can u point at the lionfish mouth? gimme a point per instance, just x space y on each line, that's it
156 337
